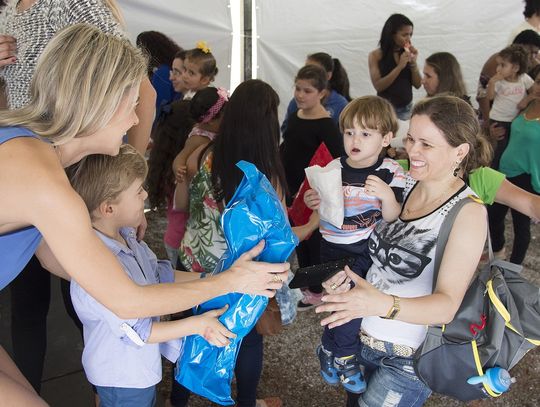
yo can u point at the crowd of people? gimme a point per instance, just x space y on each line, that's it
74 87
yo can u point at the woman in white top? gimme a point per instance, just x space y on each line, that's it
396 299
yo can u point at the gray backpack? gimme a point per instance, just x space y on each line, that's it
497 323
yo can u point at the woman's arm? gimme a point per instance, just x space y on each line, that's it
461 256
139 135
47 201
416 77
380 82
517 198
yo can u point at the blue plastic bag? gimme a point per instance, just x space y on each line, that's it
255 212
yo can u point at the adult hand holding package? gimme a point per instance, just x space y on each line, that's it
327 182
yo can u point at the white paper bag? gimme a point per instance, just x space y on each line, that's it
327 182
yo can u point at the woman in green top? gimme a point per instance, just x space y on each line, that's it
521 163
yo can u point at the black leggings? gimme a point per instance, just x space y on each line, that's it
248 371
522 223
30 299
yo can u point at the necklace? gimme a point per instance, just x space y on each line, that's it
434 202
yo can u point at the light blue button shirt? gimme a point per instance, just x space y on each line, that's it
115 353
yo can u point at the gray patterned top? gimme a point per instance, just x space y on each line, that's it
34 28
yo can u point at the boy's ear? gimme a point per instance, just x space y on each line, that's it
105 209
387 138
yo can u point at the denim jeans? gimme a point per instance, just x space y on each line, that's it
343 340
391 380
123 397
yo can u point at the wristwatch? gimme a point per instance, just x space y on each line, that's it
394 310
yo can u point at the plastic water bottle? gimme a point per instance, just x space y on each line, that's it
497 378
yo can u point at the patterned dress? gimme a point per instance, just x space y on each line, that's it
203 242
35 27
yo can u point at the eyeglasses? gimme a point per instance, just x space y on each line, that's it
175 72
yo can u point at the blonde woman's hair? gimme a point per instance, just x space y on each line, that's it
371 112
99 178
78 84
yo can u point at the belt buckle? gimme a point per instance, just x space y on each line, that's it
371 342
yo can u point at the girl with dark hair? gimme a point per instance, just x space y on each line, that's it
200 68
307 128
206 108
249 131
337 92
393 67
161 51
185 120
508 90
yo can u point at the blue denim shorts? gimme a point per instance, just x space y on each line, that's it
124 397
391 380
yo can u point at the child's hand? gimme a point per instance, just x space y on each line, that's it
312 199
377 187
497 77
211 329
179 167
180 173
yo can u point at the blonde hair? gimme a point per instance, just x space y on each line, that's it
115 10
458 123
99 178
78 84
371 112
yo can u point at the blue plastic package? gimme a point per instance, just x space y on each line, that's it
254 213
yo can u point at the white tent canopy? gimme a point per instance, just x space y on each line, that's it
347 29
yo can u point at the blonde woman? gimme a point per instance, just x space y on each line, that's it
84 93
28 26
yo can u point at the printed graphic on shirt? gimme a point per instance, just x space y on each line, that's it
362 211
400 253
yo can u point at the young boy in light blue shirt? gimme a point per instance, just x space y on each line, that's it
122 357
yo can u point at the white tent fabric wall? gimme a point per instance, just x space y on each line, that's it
350 29
186 22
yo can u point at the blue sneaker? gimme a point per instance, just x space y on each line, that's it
328 371
350 374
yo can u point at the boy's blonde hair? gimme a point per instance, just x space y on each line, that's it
79 82
99 178
370 112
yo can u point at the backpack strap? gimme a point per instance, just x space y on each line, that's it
444 233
